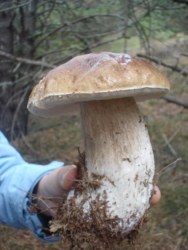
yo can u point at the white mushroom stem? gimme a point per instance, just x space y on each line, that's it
117 146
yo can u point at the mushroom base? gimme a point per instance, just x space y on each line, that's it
95 227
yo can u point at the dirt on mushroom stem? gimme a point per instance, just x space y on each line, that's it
96 227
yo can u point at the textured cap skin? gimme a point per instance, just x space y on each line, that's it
96 76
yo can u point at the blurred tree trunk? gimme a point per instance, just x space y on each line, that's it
13 96
6 75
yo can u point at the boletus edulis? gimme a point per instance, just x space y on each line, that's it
118 152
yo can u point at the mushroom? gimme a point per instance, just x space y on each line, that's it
105 86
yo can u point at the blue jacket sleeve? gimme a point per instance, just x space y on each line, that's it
17 181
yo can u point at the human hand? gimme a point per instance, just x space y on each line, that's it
54 187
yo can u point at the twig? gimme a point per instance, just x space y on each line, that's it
167 143
157 61
171 166
17 111
70 24
181 1
184 54
173 135
14 6
26 60
168 98
176 101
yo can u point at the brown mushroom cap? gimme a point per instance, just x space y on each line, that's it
96 76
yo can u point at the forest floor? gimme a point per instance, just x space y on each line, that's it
59 139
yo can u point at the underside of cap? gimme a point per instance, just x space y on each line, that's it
98 76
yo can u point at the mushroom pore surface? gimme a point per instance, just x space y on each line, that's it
117 147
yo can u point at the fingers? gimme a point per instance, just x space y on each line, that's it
156 196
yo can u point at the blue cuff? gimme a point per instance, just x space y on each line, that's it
17 181
15 192
32 220
35 225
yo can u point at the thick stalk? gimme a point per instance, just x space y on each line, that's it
117 146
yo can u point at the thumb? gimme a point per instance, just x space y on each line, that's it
58 182
53 187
